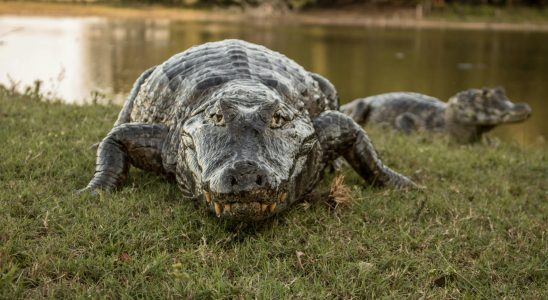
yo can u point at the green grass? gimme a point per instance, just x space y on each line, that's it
479 230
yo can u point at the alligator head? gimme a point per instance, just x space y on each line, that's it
248 152
487 107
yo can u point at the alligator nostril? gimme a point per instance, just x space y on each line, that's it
243 176
259 180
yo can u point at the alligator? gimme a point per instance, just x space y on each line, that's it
242 129
465 117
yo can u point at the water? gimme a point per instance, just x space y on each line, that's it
80 58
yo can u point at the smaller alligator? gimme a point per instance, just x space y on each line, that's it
465 117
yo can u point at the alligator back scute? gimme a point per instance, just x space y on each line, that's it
177 86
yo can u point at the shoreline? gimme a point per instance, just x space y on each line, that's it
403 18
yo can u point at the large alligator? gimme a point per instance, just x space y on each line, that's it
465 117
243 129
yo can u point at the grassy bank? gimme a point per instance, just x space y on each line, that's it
480 230
451 17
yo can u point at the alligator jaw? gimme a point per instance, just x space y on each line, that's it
253 210
520 112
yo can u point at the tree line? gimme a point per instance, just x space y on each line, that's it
300 4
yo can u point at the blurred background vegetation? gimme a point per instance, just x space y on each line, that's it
425 5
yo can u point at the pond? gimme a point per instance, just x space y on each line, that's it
87 59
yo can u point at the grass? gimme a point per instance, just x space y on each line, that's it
479 230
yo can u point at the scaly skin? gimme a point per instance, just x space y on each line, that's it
243 129
339 136
465 117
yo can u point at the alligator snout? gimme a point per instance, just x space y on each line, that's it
522 108
244 176
239 177
518 113
243 191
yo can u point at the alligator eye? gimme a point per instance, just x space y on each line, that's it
217 118
187 141
277 121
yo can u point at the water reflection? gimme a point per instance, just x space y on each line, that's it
53 52
75 56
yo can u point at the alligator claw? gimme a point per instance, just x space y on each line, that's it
94 147
87 190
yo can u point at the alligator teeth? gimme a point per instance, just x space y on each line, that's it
282 197
272 207
227 207
207 197
264 207
218 209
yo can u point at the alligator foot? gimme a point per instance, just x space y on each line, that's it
135 143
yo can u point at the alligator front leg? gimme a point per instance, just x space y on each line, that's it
408 122
132 143
339 135
358 110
